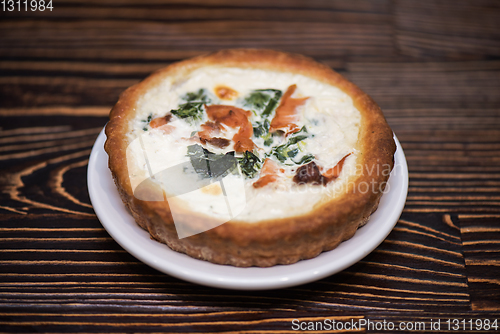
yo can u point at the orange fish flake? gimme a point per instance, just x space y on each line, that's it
268 174
333 173
234 117
286 115
162 123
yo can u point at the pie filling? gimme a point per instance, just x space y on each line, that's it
244 144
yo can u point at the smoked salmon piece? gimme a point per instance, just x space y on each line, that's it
209 132
159 121
286 115
162 123
333 173
268 173
233 117
210 129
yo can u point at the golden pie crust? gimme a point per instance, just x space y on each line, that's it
274 241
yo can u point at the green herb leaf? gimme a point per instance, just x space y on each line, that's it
258 130
201 95
194 104
298 136
249 164
147 121
282 158
261 129
305 159
257 100
208 164
290 149
273 101
283 152
296 139
263 101
190 109
268 141
291 153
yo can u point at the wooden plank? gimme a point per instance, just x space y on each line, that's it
432 66
207 13
56 110
126 37
375 6
481 242
393 85
451 30
412 86
383 279
56 154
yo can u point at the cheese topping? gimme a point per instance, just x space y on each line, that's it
230 143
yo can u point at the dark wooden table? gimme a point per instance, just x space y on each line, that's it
433 67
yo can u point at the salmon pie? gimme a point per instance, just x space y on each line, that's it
249 157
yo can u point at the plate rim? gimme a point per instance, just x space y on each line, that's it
237 279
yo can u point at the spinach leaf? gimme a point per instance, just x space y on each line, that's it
201 95
284 151
249 164
147 121
263 101
305 159
261 128
298 136
257 100
190 109
208 164
290 149
194 104
273 101
269 140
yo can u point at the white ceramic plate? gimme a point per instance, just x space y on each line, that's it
122 227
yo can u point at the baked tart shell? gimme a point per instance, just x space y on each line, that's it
274 241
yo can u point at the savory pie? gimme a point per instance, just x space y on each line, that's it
249 157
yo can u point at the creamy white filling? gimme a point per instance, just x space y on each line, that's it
329 115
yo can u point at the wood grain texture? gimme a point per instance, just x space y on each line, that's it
433 67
